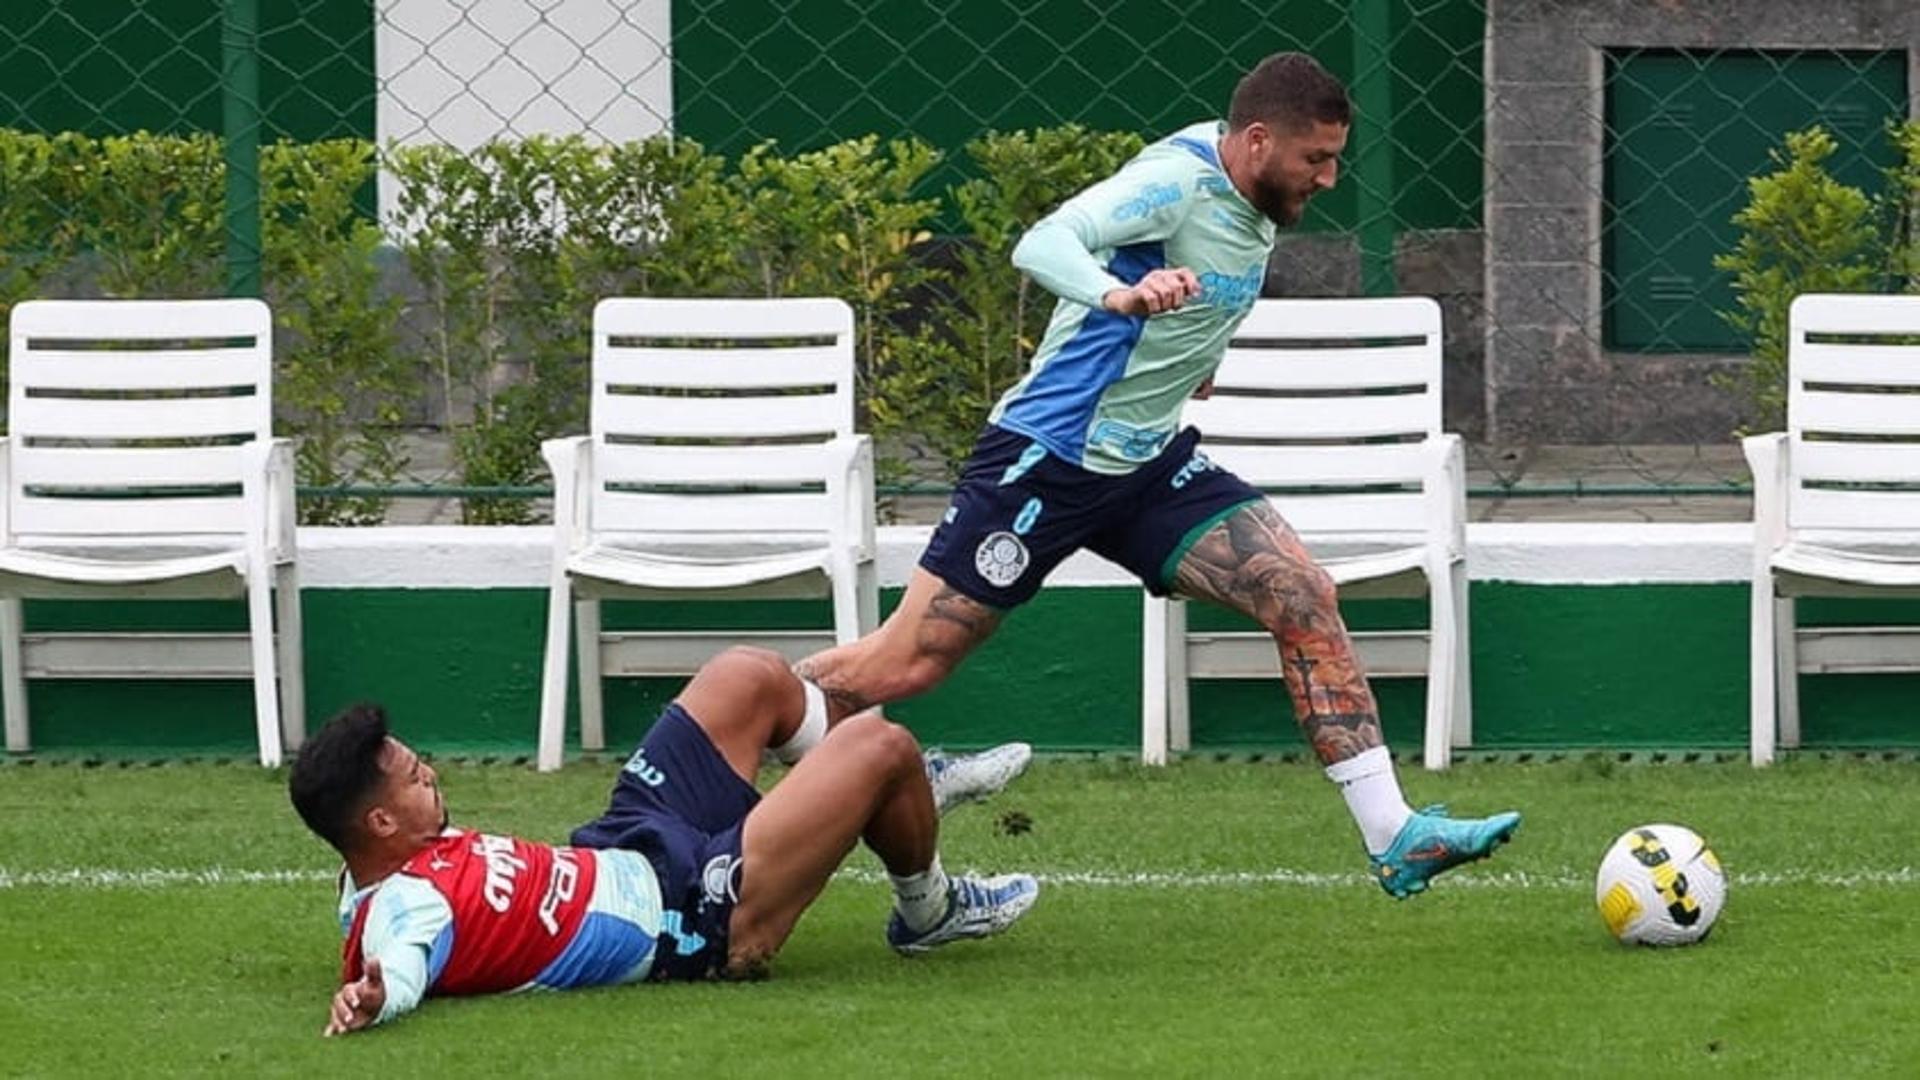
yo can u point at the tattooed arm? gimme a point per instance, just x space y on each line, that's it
822 670
1254 563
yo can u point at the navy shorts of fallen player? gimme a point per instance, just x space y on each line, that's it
681 805
1019 511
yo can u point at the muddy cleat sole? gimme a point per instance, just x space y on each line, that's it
976 908
963 778
1431 843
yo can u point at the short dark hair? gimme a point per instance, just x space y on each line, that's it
1292 90
338 771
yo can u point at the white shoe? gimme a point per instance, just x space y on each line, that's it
976 908
960 778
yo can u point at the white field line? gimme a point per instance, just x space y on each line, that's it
153 877
102 879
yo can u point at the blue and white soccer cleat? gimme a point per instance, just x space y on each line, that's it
961 778
1431 842
976 908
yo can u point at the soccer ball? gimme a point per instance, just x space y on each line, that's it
1660 885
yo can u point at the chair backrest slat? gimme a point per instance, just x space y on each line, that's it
709 513
1858 365
1853 412
1278 466
1329 405
125 416
646 416
83 466
186 516
1324 367
1839 412
1227 416
710 415
741 465
181 369
633 362
124 420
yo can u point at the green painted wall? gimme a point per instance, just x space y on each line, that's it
1554 666
1685 130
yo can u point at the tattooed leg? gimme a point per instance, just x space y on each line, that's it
926 637
1254 563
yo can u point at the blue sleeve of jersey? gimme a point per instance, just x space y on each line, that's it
409 930
1143 202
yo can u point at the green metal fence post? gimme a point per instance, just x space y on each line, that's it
240 107
1373 158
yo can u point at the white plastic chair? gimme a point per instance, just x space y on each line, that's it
141 464
1836 501
722 462
1333 407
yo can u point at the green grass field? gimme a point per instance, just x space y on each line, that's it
1209 919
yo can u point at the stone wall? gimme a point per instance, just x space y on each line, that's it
1443 264
1549 377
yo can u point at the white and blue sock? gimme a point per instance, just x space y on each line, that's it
921 898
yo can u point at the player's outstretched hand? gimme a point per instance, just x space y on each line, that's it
1158 291
357 1004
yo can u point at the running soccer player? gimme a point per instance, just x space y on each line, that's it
1154 267
689 874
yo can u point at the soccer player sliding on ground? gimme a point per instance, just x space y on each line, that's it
1154 267
689 874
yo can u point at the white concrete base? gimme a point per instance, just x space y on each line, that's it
1546 553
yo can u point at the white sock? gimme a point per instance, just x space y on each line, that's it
921 898
813 726
1373 796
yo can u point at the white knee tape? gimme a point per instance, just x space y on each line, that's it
813 726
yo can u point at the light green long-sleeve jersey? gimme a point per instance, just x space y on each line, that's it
1105 391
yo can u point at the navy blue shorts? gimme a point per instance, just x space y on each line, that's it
681 805
1019 511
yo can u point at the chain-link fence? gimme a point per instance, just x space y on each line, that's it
1564 175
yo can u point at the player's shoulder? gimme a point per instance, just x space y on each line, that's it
406 906
1175 170
441 864
1192 151
392 904
1196 145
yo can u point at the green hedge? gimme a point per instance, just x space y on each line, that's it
1803 231
510 245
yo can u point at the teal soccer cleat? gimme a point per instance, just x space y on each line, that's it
1431 843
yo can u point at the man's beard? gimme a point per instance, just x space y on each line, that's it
1277 204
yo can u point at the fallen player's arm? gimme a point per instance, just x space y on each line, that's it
394 982
358 1003
406 919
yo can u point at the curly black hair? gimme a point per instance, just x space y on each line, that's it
337 771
